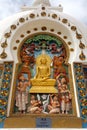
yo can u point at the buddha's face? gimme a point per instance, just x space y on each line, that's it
43 60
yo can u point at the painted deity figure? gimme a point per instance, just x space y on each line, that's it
35 105
44 98
65 94
68 102
22 92
58 66
54 106
62 87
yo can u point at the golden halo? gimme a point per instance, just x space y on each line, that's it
43 56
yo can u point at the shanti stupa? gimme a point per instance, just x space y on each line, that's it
23 38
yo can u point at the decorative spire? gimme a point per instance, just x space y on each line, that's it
60 8
38 2
42 2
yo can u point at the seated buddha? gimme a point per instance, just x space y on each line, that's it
42 82
43 71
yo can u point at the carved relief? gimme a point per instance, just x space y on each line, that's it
42 78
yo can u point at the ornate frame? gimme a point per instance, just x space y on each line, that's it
81 89
58 119
51 34
70 75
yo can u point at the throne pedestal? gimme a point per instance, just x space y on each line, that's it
43 86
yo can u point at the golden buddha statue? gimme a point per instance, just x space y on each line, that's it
43 70
42 83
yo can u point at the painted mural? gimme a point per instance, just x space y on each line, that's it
6 70
42 78
1 74
81 84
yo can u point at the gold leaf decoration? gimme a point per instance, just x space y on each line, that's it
4 93
84 102
82 93
84 111
81 85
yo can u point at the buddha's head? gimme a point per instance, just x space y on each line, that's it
43 60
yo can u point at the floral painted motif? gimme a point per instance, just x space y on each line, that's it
80 77
5 88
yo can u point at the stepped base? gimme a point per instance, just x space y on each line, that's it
43 86
43 89
29 121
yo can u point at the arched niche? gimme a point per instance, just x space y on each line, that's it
25 70
36 27
45 41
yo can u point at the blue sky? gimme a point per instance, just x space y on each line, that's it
75 8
